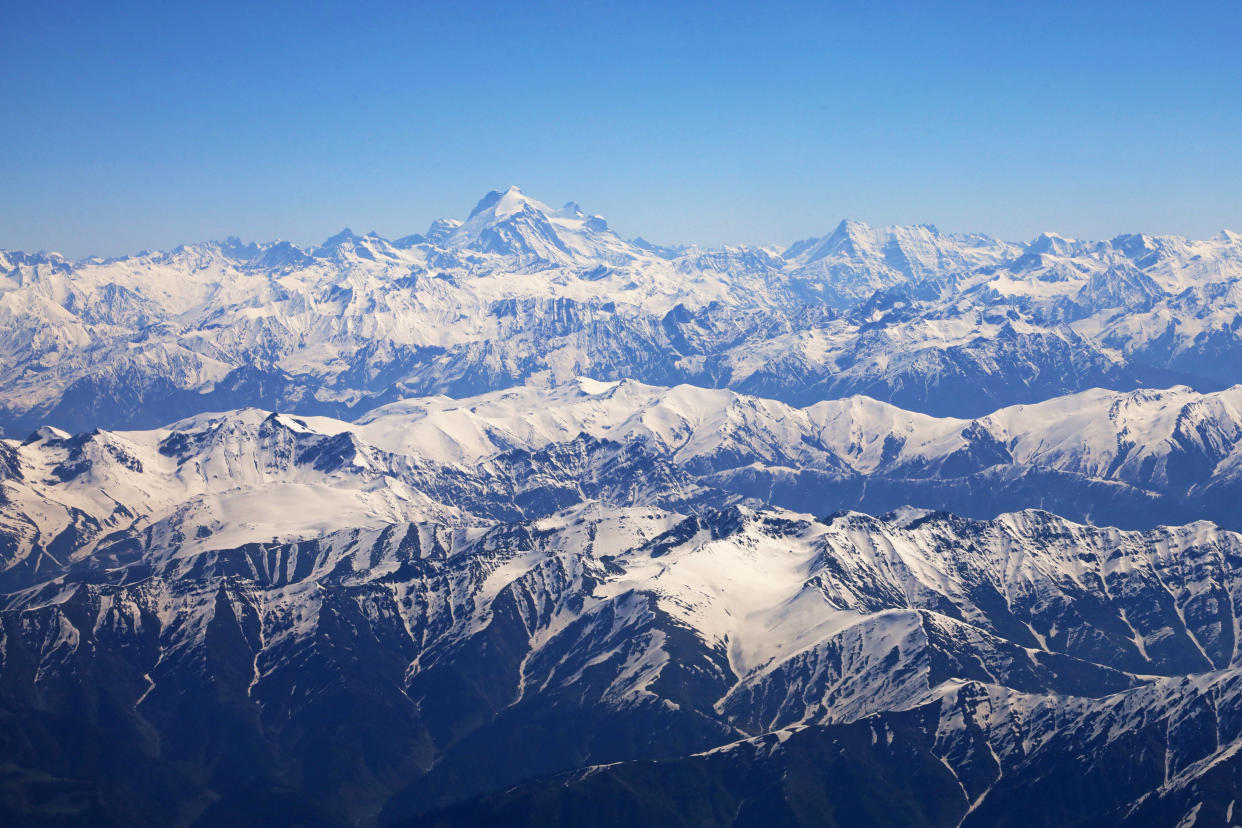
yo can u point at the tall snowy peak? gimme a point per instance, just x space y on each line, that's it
857 259
511 223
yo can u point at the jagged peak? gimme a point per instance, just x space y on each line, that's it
440 229
487 202
1049 242
501 204
849 225
854 237
46 433
332 242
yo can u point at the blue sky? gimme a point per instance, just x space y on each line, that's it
145 125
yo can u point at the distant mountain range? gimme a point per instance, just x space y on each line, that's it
516 522
520 293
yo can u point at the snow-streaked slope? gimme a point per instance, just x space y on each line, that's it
1025 638
216 480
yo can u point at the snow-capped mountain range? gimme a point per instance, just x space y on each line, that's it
1130 459
519 522
520 293
987 661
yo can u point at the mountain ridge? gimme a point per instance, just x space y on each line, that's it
1134 459
517 521
949 325
639 620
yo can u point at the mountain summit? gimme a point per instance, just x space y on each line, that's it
510 223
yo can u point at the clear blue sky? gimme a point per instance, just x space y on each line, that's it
145 125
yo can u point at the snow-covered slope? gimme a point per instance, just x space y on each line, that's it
1134 458
1125 458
